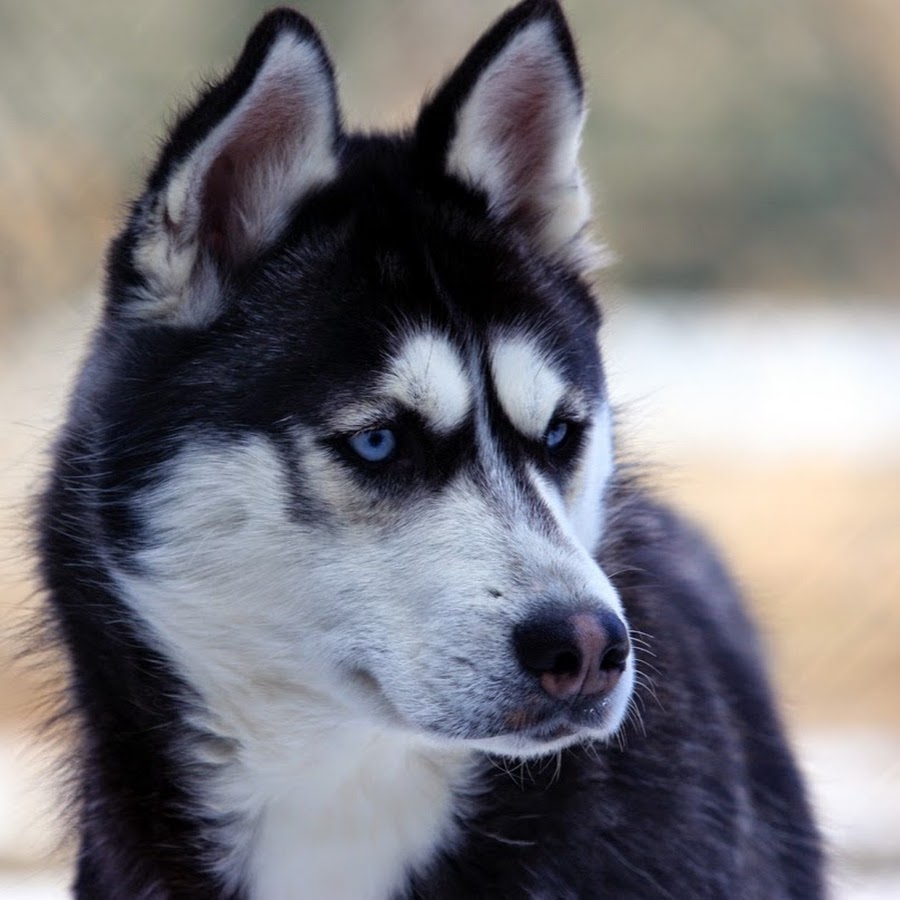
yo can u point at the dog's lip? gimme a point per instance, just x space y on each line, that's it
559 723
537 721
554 733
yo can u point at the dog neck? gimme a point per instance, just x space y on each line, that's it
346 811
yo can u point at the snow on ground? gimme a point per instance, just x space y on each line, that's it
764 379
29 885
29 802
855 781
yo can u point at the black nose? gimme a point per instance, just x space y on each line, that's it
575 654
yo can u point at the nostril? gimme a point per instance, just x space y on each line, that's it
547 645
568 662
615 656
581 653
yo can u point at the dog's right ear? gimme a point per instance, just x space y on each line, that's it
233 171
507 125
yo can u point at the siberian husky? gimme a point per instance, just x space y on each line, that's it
357 601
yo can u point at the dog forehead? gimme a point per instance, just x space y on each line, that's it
427 374
529 383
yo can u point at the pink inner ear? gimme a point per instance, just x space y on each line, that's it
516 139
525 125
521 130
249 183
216 202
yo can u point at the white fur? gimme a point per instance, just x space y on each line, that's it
528 385
491 153
531 390
341 652
182 286
585 493
270 620
297 760
427 375
356 810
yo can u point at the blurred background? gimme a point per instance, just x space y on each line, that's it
746 163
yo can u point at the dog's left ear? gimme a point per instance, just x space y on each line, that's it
508 123
230 177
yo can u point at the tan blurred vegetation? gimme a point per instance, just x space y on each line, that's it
816 547
739 145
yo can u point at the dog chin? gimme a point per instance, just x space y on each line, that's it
540 740
533 745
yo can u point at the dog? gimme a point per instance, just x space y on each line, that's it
357 599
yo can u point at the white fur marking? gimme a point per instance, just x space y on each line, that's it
428 376
329 784
584 495
527 383
320 795
369 807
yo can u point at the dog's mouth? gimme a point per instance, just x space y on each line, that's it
584 716
534 726
546 734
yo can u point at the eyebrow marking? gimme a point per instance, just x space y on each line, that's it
528 385
428 376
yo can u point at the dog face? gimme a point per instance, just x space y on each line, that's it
357 436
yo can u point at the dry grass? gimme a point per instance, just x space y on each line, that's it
57 212
818 549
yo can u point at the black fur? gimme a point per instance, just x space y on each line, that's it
699 798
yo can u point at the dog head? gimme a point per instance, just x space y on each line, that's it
355 435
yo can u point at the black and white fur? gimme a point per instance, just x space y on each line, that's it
302 673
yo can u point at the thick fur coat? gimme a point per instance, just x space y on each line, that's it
357 599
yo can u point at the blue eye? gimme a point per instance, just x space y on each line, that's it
556 434
374 446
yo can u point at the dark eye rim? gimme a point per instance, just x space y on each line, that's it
555 423
563 452
406 438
